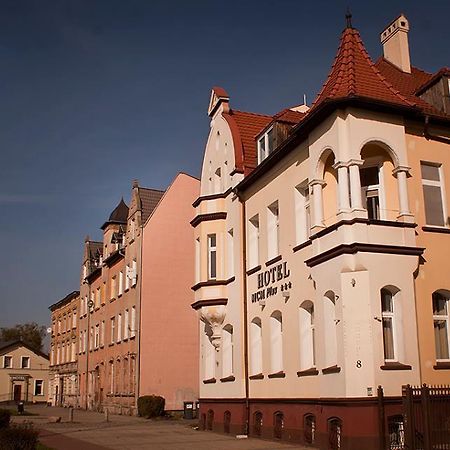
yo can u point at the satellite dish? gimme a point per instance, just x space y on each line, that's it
49 330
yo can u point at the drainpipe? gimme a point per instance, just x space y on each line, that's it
89 305
138 319
244 296
428 135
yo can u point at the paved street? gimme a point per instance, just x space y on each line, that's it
89 431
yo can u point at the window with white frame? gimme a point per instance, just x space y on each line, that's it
113 329
441 324
63 353
227 351
230 252
273 232
74 319
276 342
80 343
126 328
133 273
127 277
73 351
25 362
253 241
119 327
330 326
97 336
120 292
256 346
102 333
113 287
85 341
433 194
371 191
7 362
133 321
389 322
91 338
58 354
38 387
302 212
212 257
97 298
307 340
265 145
197 260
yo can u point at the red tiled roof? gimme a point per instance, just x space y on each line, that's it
353 74
244 127
289 116
220 91
149 200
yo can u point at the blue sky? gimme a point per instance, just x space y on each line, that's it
95 94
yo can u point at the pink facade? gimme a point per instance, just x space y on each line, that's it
169 327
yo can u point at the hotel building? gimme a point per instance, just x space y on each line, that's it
321 240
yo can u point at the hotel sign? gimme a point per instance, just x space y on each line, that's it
272 281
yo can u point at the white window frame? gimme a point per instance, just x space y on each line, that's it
4 362
379 188
230 251
197 260
253 228
273 230
264 153
120 291
443 318
440 184
113 330
302 212
256 353
74 318
42 388
21 362
126 327
212 254
276 342
133 322
119 327
97 336
391 316
113 287
127 278
307 336
102 333
227 350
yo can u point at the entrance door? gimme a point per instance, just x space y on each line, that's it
17 392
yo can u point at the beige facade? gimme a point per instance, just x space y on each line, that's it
24 373
322 237
64 388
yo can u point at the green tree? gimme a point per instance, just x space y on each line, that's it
30 333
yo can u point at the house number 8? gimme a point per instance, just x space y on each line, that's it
359 364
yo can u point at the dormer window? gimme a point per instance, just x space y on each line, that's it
265 145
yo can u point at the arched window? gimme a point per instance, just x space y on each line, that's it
330 323
441 324
309 428
256 346
276 342
257 423
226 421
335 433
278 424
390 316
306 325
210 419
227 350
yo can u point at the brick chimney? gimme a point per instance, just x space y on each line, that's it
395 43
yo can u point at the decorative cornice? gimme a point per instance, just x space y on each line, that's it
209 302
351 249
395 366
208 217
279 374
209 381
258 376
94 275
308 372
197 286
331 369
212 197
431 229
114 257
227 379
302 245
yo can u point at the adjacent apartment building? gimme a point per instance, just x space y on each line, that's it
63 377
321 239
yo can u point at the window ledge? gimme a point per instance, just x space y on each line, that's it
436 229
253 270
257 376
442 365
132 337
209 381
110 345
273 260
308 372
298 247
227 379
331 369
395 366
279 374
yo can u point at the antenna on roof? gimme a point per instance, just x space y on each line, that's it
348 18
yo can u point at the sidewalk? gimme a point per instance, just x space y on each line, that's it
89 431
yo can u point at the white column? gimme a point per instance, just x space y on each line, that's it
317 186
344 198
355 184
401 173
